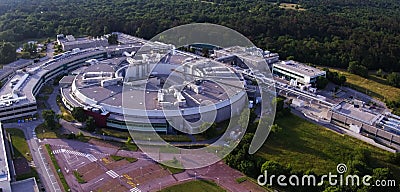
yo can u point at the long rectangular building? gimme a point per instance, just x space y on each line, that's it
302 73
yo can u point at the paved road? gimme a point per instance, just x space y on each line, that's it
47 177
50 50
218 172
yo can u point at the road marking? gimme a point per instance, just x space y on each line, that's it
112 174
77 153
135 190
55 187
91 157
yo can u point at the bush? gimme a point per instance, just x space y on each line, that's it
79 177
356 68
394 79
241 179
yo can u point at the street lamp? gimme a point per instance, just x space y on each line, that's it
159 185
195 174
218 180
141 171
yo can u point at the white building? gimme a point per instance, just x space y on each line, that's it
292 70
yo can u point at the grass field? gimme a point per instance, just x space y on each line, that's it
373 86
44 132
21 148
307 146
200 185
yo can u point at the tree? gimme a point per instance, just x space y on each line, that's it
209 130
274 168
243 120
79 114
279 101
394 79
49 118
276 128
356 68
90 124
113 39
128 140
7 53
322 82
342 79
379 73
395 158
30 48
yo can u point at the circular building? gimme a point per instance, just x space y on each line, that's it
155 91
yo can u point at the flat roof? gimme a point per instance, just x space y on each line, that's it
299 68
4 170
5 73
250 53
27 185
85 41
19 63
357 113
67 79
112 95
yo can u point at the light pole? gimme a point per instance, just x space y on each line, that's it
159 185
141 171
218 180
195 174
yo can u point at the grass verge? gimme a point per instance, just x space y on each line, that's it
57 167
119 158
79 177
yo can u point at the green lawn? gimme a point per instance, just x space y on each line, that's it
78 177
174 166
195 186
21 148
307 146
373 86
44 132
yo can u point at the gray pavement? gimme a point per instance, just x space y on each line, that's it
47 177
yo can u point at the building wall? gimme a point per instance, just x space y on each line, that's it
383 136
18 111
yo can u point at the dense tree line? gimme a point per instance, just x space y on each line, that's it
330 32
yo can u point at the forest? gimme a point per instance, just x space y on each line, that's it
323 32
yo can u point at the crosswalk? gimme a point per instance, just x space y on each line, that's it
77 153
135 190
34 134
112 174
91 157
